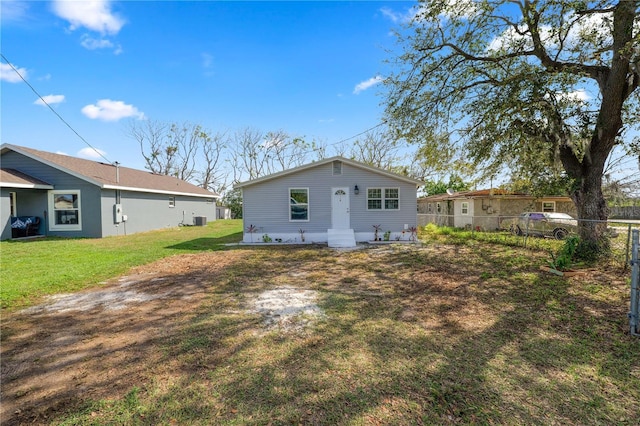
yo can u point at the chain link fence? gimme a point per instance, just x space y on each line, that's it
535 231
634 312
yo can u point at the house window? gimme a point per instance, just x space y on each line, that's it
383 199
438 208
464 208
64 208
299 204
209 200
549 206
429 208
337 168
172 202
13 210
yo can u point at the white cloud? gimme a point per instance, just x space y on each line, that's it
108 110
91 43
91 154
577 95
9 75
50 99
360 87
399 17
94 15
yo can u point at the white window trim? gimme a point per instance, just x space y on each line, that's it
549 202
438 208
308 204
383 199
172 202
52 211
464 206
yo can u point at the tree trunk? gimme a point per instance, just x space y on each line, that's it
591 205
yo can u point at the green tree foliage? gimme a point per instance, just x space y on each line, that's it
455 183
233 199
524 85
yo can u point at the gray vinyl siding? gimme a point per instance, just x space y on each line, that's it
266 204
146 211
5 213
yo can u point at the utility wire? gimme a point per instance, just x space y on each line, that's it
53 110
382 123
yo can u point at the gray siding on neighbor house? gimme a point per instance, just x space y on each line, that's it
266 204
5 213
147 211
35 202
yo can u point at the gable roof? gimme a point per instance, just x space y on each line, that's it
11 178
108 176
353 163
490 193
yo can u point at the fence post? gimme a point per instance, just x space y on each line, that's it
635 283
626 247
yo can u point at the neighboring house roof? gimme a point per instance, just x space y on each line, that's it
108 176
11 178
326 161
489 193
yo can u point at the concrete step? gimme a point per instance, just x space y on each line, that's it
341 238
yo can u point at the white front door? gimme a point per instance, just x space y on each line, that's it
340 208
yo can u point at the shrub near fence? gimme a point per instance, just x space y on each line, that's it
499 229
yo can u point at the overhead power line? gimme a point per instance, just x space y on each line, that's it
53 110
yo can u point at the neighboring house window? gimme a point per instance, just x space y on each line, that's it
12 204
383 199
64 208
172 201
438 208
209 200
429 208
299 204
549 206
337 168
465 208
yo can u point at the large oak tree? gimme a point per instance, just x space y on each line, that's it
522 84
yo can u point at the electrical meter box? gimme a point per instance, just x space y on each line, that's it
117 213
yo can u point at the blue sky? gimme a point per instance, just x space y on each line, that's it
312 69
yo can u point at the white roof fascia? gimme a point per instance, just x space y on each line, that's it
160 191
25 185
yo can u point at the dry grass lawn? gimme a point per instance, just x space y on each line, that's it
393 334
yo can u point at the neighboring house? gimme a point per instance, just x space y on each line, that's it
334 200
72 197
486 208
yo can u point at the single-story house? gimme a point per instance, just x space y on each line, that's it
486 208
73 197
334 200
